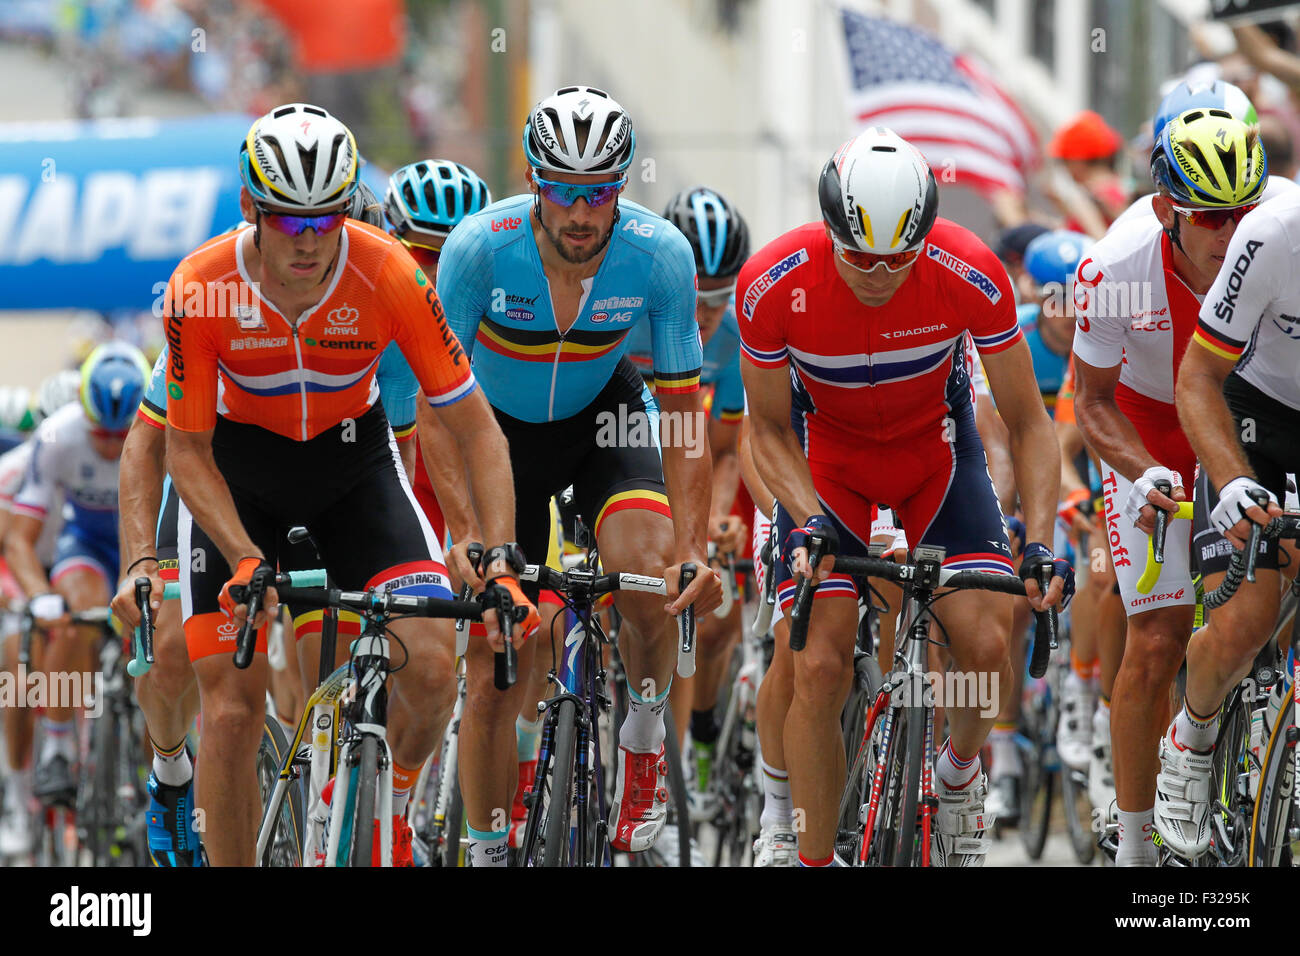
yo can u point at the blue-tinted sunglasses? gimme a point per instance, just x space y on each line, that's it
296 225
566 194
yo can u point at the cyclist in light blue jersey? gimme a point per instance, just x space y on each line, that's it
542 290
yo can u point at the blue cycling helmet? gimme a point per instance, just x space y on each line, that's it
1054 256
426 199
1217 95
113 380
717 232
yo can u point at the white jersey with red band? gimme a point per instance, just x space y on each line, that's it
1252 312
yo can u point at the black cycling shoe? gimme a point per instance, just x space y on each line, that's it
53 783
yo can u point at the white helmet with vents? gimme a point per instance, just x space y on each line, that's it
579 129
298 155
878 194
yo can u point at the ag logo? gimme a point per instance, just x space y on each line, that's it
175 392
343 315
645 230
621 317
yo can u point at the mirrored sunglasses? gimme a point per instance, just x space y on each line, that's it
566 194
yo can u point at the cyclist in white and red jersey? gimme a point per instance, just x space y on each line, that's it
880 412
1137 295
1239 401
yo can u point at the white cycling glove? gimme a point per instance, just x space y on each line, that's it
1137 495
1234 499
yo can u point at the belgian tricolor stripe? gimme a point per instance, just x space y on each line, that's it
152 414
578 345
677 383
403 432
1218 343
310 623
732 416
642 498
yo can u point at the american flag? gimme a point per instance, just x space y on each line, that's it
942 103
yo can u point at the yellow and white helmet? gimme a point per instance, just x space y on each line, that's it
300 156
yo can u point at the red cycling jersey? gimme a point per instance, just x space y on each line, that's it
233 354
874 375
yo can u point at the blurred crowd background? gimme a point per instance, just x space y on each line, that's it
1029 111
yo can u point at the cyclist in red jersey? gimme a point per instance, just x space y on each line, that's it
880 412
273 420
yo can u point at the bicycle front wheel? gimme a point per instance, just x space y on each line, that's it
909 824
555 832
363 819
1273 832
284 847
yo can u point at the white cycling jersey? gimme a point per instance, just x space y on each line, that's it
62 460
1252 312
1133 310
13 467
1276 187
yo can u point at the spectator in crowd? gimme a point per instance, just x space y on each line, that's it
1089 150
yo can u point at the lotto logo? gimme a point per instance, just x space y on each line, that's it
506 224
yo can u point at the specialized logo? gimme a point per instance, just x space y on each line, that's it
967 271
520 315
343 315
619 302
616 140
921 331
643 229
758 288
1188 169
542 126
506 224
237 345
1228 301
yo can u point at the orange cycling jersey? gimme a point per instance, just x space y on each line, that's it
234 354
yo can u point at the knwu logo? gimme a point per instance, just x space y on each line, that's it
342 321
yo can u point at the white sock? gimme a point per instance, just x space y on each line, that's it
643 730
488 848
1101 721
175 769
60 740
956 774
18 789
1195 733
1006 755
777 809
1136 830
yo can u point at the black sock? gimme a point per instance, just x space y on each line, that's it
704 729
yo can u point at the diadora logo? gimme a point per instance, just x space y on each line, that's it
643 229
343 315
506 224
921 331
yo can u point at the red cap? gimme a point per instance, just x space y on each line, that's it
1087 136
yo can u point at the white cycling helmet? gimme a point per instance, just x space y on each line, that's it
579 129
299 155
58 390
878 194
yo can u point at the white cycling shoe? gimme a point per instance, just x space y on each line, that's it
1183 797
1074 730
776 846
15 832
962 825
1101 771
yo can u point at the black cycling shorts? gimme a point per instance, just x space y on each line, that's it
609 452
347 486
1270 436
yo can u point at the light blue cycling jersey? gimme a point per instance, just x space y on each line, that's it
721 367
497 300
1049 368
398 390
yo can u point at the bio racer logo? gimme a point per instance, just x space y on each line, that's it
758 288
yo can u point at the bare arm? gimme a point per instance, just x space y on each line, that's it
1265 55
407 450
997 446
723 440
688 478
139 493
778 456
446 470
20 554
1070 440
749 472
206 494
1205 417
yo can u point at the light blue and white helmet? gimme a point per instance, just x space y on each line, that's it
426 199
